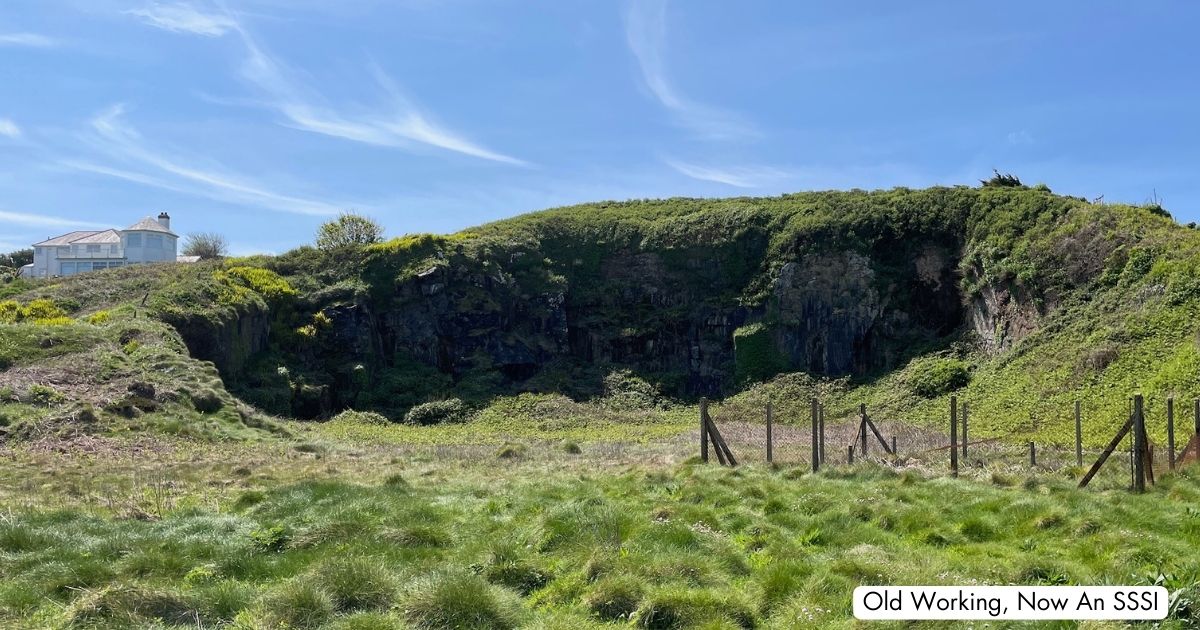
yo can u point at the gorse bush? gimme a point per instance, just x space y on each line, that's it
40 311
99 318
264 282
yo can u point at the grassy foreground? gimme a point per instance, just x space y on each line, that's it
506 539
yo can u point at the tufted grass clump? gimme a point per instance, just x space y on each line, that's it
299 604
357 583
614 598
677 608
123 604
461 600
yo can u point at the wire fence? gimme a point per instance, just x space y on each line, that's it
901 444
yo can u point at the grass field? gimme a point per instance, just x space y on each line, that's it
341 530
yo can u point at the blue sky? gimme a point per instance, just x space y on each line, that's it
260 118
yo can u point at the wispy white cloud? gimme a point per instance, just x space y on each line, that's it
400 125
30 40
9 129
45 220
184 18
1020 137
738 176
123 143
646 34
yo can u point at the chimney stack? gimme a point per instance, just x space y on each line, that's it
164 220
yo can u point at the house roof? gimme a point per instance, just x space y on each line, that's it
146 224
187 259
66 239
105 236
150 224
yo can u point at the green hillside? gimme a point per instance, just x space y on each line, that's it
496 428
1015 299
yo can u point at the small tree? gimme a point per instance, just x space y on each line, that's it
16 259
347 230
1002 180
206 245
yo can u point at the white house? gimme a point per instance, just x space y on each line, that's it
146 241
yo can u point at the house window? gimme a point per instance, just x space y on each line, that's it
154 241
135 240
64 251
39 253
93 249
83 267
67 269
112 249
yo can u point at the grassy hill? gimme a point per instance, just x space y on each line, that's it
1015 299
495 428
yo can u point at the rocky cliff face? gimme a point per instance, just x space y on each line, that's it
842 313
228 343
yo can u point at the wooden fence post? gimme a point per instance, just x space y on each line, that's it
1032 454
850 457
703 430
966 410
1139 444
1078 437
1108 450
770 437
953 435
1197 416
816 429
1171 433
862 428
821 454
894 452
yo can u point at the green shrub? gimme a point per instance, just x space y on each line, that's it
437 412
273 538
357 584
625 391
297 604
460 600
45 395
932 377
